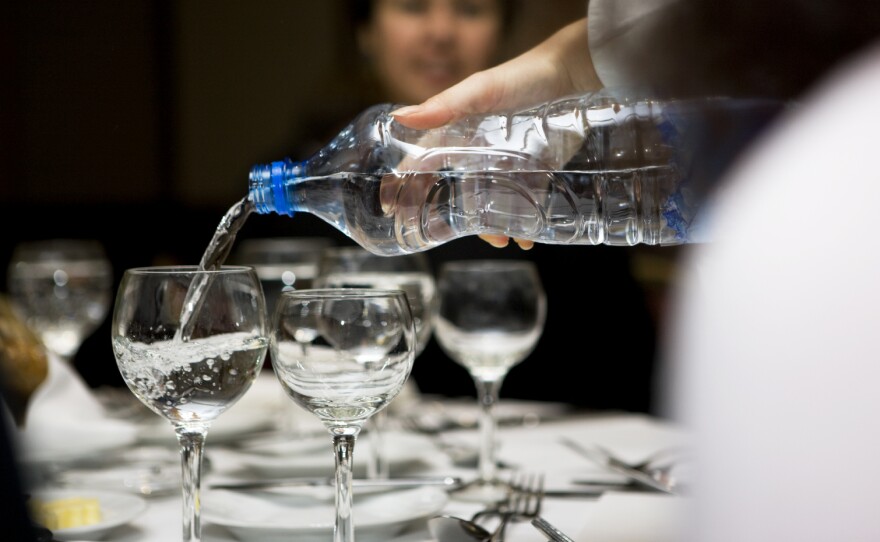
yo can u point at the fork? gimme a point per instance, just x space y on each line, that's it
523 502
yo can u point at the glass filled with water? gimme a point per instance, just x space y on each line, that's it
189 342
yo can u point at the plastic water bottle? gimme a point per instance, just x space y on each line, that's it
600 168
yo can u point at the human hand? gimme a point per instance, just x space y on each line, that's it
558 66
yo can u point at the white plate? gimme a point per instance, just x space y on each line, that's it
71 442
228 427
464 413
147 471
117 508
275 517
314 455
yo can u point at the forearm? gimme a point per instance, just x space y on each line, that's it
566 58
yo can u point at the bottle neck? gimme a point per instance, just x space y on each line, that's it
267 186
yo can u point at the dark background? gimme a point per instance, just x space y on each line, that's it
136 123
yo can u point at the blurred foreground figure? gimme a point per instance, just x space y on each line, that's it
776 334
772 353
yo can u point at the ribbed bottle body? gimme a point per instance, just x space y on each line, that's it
592 169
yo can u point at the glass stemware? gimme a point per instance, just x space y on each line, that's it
282 263
490 317
62 289
189 343
355 267
343 354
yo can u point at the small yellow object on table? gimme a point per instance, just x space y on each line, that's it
66 513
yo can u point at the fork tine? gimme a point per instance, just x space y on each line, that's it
528 496
539 496
535 497
523 502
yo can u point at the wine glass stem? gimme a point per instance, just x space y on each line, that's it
191 445
487 393
377 466
66 359
343 445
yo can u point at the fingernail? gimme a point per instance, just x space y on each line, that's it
404 111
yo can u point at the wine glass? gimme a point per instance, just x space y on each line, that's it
490 317
343 354
62 289
355 267
282 263
189 343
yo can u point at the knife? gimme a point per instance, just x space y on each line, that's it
329 481
605 459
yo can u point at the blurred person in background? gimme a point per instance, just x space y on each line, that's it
414 49
405 51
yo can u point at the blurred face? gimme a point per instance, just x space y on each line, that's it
421 47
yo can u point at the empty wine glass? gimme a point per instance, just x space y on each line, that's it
62 289
355 267
189 343
282 263
343 354
491 315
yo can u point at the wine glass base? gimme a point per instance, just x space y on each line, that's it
482 492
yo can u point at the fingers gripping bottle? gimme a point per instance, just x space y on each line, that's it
597 168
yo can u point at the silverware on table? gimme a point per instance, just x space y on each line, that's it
550 531
607 460
449 482
576 493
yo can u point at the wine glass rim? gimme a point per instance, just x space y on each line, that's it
348 293
188 270
283 244
60 248
358 250
487 264
349 249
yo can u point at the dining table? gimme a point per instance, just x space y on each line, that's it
126 455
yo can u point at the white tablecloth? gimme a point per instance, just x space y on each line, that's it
530 447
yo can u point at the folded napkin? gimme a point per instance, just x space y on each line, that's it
65 420
635 517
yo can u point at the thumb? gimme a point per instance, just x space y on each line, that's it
476 94
423 116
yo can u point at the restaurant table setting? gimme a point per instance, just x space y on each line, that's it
74 446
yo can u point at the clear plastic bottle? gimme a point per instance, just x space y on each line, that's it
599 168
